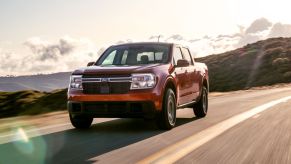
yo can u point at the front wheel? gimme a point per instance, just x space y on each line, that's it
81 122
167 118
200 109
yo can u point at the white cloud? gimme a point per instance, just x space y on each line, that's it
44 56
54 51
258 26
280 30
176 37
258 30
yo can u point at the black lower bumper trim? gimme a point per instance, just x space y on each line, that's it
144 109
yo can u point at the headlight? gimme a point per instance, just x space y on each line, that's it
143 81
76 82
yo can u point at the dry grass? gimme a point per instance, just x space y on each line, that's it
263 63
31 102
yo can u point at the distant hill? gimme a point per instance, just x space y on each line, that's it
44 82
263 63
31 102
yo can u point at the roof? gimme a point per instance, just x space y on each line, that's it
144 43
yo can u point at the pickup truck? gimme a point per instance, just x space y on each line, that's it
139 80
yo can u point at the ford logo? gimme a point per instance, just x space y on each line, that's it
104 79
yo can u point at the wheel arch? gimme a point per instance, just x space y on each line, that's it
170 83
204 83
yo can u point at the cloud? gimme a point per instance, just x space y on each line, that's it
194 40
280 30
46 50
258 30
229 36
10 61
42 56
258 25
175 37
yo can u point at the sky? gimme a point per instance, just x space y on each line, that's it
45 36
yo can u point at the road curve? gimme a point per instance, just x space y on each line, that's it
264 137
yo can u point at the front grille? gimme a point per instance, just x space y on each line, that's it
106 88
110 84
106 76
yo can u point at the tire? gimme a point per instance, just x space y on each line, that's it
201 107
81 122
167 117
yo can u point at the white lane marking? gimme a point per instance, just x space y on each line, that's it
256 116
176 151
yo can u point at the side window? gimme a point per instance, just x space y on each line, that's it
187 55
177 54
110 58
124 57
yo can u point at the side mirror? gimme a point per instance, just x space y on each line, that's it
90 64
182 63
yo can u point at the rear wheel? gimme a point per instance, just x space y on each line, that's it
167 118
81 122
200 109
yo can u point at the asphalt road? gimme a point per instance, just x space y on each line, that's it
264 137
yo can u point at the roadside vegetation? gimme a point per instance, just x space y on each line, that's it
31 102
263 63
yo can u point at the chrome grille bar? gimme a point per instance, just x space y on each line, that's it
111 79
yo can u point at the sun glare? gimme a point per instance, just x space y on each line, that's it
21 133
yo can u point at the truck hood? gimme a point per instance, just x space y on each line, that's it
117 69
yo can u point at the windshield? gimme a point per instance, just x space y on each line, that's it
134 55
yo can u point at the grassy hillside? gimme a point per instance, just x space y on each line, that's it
31 102
263 63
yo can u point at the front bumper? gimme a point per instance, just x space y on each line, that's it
149 95
138 103
116 109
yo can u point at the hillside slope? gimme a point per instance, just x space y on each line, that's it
31 102
263 63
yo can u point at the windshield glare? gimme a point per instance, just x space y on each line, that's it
134 55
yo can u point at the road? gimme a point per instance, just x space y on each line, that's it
241 127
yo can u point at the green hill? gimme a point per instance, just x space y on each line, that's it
263 63
31 102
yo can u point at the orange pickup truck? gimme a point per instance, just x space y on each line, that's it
139 80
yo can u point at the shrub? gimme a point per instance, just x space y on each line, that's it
280 61
274 44
287 75
274 51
